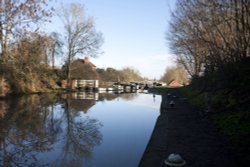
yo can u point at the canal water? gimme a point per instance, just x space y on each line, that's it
80 129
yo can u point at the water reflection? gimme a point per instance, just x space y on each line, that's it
113 96
58 130
22 132
30 126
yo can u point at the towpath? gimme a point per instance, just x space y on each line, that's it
184 131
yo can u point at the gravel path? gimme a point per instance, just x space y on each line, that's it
184 131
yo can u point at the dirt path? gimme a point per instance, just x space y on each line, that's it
183 130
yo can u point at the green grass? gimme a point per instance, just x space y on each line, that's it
161 87
195 98
236 126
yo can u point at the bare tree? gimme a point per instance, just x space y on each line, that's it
17 16
210 32
130 74
53 48
81 35
183 38
176 73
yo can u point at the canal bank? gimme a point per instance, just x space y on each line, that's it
184 131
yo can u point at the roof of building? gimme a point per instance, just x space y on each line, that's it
174 83
86 61
83 69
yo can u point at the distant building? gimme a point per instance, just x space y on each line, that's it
83 69
174 84
82 75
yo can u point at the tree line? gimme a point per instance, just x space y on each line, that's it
127 74
211 39
28 54
175 73
210 33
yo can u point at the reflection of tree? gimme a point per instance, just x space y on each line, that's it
81 105
35 124
23 133
81 136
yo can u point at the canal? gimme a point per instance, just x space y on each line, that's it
80 129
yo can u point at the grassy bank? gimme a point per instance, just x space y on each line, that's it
232 122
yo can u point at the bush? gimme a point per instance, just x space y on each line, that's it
4 86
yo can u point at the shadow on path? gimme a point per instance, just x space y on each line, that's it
182 130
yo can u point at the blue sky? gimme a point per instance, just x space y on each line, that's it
133 32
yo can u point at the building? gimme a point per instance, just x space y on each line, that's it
83 69
82 75
174 84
